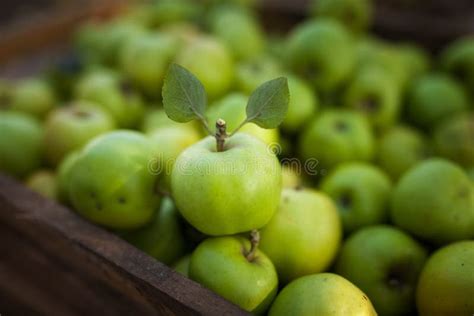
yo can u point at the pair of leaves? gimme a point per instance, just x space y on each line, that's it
184 99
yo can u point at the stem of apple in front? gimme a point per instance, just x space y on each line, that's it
221 134
254 241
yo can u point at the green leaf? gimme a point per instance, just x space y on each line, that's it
268 104
184 97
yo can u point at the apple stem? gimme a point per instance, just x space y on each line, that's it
221 134
254 241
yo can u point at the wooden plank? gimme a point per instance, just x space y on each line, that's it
55 263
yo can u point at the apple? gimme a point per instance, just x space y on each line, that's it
304 235
230 267
165 12
43 182
385 263
32 96
162 237
434 201
445 284
183 32
110 182
361 192
458 59
182 265
230 191
20 143
62 172
321 294
250 74
470 173
415 58
291 177
69 128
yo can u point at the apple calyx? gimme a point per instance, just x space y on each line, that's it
254 241
221 134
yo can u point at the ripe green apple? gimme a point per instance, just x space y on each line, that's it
361 192
385 263
228 192
62 172
322 51
221 264
337 136
182 265
435 202
162 238
166 12
458 59
182 32
210 61
43 182
110 182
322 294
416 60
303 236
145 60
231 109
433 98
373 92
399 149
69 128
250 74
20 143
454 139
445 284
33 96
113 94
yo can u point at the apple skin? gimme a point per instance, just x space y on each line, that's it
321 294
415 58
250 74
385 263
458 59
156 118
110 182
220 264
470 173
231 109
337 136
361 192
182 265
34 97
69 128
290 177
20 143
303 236
62 171
228 192
445 284
400 148
162 237
210 61
434 201
43 182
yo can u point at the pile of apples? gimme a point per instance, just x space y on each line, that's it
320 172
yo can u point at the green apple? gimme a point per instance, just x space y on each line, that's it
182 32
33 96
156 118
69 128
210 61
434 201
373 92
302 106
20 143
63 176
145 60
458 59
361 192
385 263
322 294
303 236
182 265
454 139
250 74
470 173
399 149
356 15
165 12
231 109
162 237
323 52
433 98
445 284
337 136
43 182
113 94
222 265
227 192
110 182
416 60
290 177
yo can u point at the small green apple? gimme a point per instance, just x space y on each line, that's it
361 192
63 176
416 60
435 202
20 143
385 263
110 182
224 265
43 182
156 118
322 294
458 59
446 283
33 96
182 265
250 74
303 236
166 12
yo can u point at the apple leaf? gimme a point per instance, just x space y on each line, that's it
268 104
184 97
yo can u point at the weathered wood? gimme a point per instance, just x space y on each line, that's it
53 262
